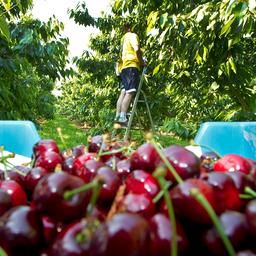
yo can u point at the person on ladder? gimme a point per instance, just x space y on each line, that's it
129 68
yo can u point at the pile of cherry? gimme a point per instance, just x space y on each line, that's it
108 199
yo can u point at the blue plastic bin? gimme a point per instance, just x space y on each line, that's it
228 138
18 137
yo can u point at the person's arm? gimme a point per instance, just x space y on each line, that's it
140 58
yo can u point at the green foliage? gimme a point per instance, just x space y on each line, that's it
32 57
200 54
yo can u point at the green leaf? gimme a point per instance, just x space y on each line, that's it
156 69
4 28
232 64
252 5
226 28
152 18
6 4
214 86
231 3
163 19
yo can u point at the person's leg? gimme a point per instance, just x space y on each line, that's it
119 104
127 101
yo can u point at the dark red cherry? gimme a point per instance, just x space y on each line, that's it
33 177
124 234
246 253
123 168
186 206
186 163
48 160
81 160
21 231
5 201
78 151
96 143
50 229
162 234
232 163
145 158
88 170
45 145
141 204
225 191
68 165
16 192
75 239
111 183
235 226
49 198
139 182
250 212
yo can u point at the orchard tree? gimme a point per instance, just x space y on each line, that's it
32 57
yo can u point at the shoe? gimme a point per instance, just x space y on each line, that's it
122 120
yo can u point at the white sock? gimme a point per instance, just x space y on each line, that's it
123 115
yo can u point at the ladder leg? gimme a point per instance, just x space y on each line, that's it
149 113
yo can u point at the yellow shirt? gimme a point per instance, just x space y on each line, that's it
130 44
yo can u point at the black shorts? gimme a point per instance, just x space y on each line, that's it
130 79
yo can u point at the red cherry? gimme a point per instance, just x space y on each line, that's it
162 233
235 227
141 204
88 170
48 160
139 182
225 191
250 212
186 163
95 143
232 163
145 158
68 165
49 229
73 240
16 192
5 202
45 145
186 206
49 198
21 231
123 168
34 176
124 234
81 160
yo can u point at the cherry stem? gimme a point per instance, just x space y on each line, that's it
111 151
70 193
161 193
94 197
167 163
2 252
173 243
250 191
203 201
245 196
61 137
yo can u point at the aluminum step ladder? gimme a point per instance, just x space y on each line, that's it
134 108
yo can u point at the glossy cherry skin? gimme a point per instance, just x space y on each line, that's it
50 229
186 206
33 177
246 253
48 160
235 227
111 183
123 168
81 160
20 231
225 191
74 240
88 170
5 202
144 158
250 212
49 198
232 163
95 143
45 145
141 204
16 192
68 165
162 233
139 182
78 151
185 163
125 234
